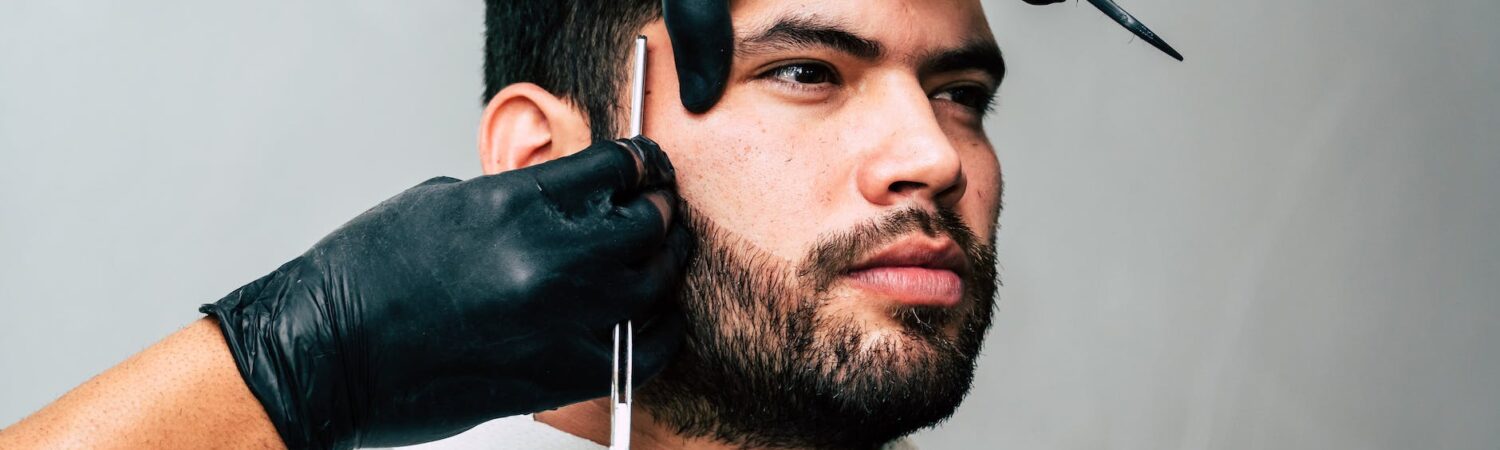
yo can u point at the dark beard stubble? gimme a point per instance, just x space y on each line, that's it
764 366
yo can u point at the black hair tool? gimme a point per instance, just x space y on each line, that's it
1114 11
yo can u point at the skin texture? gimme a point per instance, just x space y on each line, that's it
183 392
777 165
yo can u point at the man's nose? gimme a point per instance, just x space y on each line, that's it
911 158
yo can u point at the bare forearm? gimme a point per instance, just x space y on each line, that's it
183 392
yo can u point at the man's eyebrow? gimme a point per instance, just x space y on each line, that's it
979 55
801 32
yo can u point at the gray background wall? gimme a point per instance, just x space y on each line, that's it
1288 242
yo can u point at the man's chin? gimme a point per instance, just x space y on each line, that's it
883 320
905 344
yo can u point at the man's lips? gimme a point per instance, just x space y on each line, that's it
916 271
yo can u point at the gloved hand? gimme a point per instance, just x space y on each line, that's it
456 302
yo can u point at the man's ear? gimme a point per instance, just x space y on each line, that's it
524 125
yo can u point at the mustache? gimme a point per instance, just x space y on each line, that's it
834 254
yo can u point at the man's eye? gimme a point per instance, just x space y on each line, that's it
972 97
803 73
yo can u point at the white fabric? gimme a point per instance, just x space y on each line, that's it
512 433
525 433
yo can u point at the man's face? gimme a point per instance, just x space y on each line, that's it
845 198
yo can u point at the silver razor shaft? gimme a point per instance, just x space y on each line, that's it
624 336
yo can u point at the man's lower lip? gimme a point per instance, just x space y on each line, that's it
912 286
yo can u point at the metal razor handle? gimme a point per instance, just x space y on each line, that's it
623 366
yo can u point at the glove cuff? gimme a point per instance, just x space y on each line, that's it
277 330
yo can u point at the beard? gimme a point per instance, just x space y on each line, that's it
765 363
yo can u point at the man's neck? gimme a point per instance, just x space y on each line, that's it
590 420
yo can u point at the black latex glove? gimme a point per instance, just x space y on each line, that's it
457 302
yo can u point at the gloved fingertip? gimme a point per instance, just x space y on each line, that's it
702 37
665 202
681 244
657 342
657 170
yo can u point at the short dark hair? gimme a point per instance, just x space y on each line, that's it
576 49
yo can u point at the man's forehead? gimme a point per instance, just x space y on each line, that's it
882 27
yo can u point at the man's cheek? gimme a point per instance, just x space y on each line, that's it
980 206
772 207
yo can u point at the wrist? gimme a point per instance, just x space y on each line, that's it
278 332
